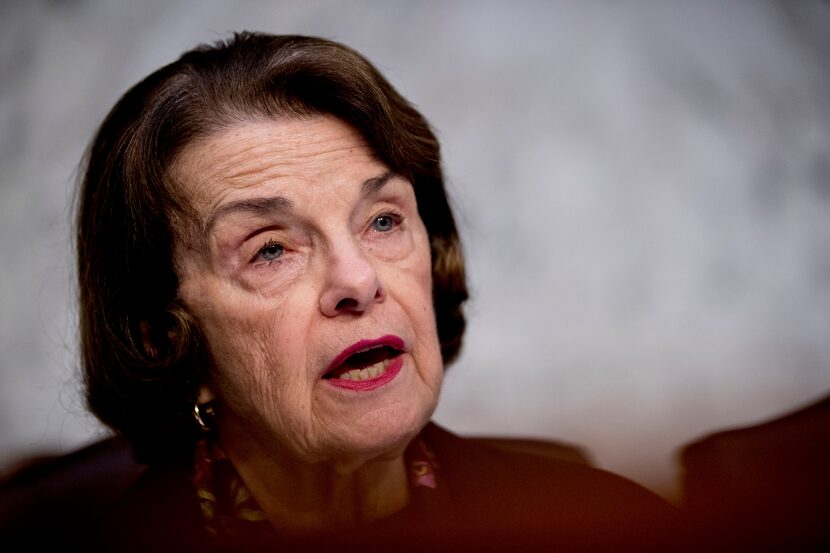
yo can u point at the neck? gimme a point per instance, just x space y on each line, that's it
300 497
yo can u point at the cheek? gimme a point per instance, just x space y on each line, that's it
422 314
258 369
428 343
253 343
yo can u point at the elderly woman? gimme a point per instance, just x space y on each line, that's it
271 286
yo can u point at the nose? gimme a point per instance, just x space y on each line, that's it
352 284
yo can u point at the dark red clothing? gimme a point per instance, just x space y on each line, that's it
484 499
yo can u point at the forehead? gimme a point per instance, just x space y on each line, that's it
281 153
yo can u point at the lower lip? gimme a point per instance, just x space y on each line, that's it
372 383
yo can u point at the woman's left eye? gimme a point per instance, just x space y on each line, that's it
385 222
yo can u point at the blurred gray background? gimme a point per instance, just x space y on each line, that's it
643 189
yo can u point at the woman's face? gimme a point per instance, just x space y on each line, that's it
311 279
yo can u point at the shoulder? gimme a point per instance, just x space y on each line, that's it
159 512
546 500
98 499
469 463
60 500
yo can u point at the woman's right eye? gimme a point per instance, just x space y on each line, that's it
270 252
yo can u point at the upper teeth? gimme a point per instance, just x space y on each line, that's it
366 373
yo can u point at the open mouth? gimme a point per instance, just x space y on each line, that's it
364 365
367 365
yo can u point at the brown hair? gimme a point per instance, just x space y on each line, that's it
143 354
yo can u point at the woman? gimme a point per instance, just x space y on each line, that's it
271 284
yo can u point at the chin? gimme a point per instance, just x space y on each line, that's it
387 434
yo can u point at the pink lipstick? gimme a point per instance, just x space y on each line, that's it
366 365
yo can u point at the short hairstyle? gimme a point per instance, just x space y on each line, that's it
143 355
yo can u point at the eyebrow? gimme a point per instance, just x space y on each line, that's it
280 204
257 206
373 185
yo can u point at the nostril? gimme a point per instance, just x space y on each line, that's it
346 304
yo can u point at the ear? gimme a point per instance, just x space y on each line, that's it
205 394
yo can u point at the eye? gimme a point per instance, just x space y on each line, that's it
271 251
385 222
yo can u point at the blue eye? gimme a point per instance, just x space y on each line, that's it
270 251
384 223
